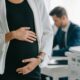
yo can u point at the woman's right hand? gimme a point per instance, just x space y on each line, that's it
23 34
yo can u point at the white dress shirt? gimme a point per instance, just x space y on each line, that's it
65 29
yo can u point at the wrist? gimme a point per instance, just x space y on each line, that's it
40 59
13 34
41 56
9 36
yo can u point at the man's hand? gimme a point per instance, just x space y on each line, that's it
32 64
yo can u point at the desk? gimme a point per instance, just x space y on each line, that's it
55 71
74 63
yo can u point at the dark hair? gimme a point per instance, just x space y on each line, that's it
58 11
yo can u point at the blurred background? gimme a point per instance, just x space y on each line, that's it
73 11
72 7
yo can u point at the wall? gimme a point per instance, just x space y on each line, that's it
72 7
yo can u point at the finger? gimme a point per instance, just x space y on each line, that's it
26 60
19 69
31 32
31 38
26 28
22 70
34 36
26 72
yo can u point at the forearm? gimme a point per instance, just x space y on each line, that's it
9 36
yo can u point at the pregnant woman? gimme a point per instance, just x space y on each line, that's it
28 38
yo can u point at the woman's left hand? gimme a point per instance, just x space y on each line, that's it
32 64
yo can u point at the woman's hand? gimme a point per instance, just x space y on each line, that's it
23 34
32 64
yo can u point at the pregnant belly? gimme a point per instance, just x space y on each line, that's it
19 50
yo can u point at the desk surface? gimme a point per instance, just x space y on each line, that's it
59 58
55 70
55 66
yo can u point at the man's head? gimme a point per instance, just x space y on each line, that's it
59 16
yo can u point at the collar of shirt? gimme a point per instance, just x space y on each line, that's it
66 27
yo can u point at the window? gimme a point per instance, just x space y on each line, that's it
72 7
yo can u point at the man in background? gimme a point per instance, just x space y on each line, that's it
68 34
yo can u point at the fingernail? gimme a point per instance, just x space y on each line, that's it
23 61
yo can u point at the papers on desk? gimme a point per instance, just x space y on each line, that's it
58 61
75 49
52 61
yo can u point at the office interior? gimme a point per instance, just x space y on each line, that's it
64 71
